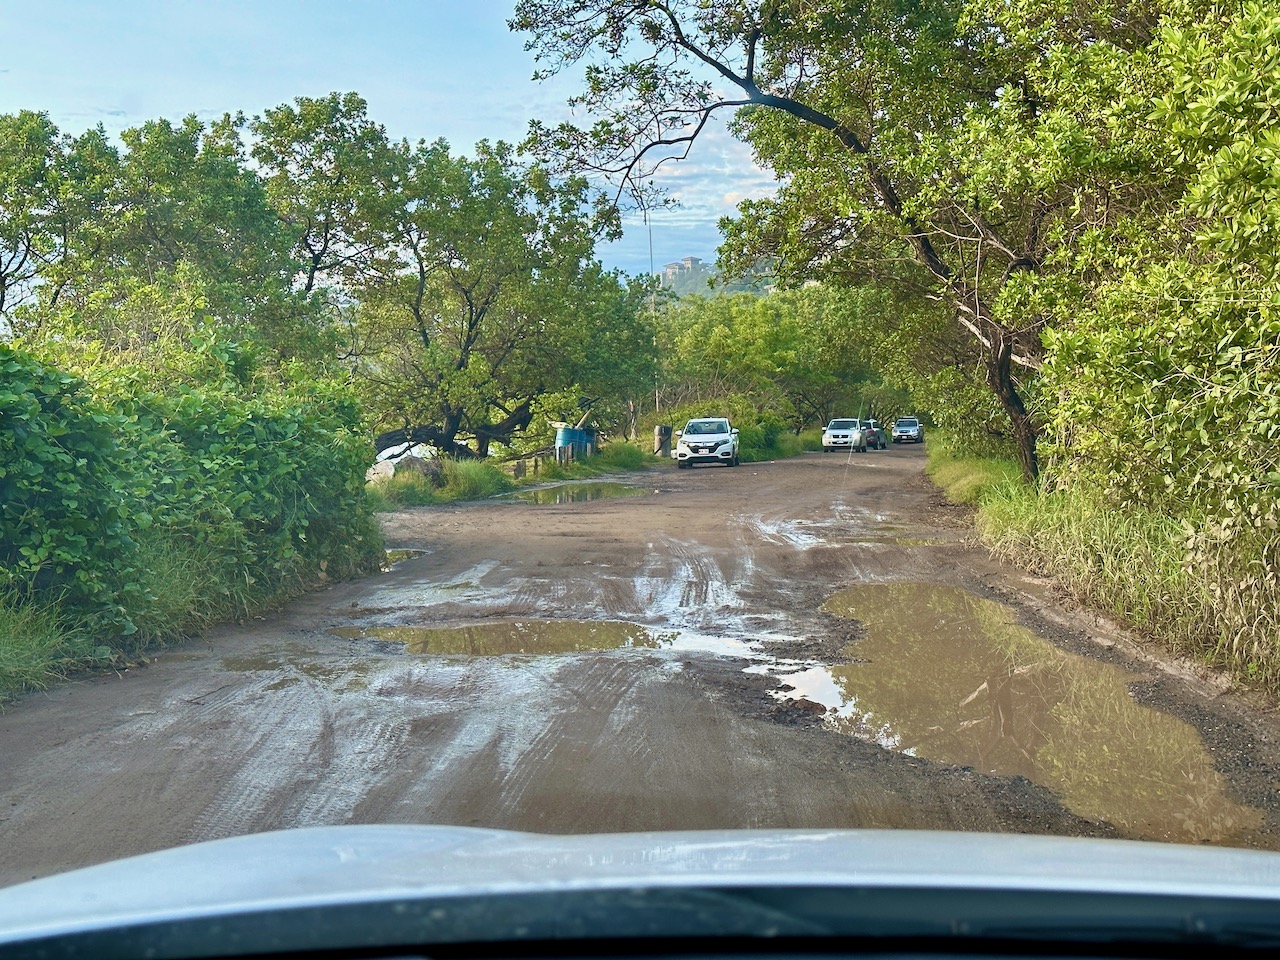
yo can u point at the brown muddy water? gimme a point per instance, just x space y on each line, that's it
575 493
543 638
945 675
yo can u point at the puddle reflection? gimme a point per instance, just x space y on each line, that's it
951 677
399 556
542 638
575 493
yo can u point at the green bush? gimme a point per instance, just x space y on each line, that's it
65 499
130 515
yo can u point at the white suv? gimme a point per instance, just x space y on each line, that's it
844 434
706 440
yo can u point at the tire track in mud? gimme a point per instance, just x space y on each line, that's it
286 751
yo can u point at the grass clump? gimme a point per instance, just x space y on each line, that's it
968 479
458 480
472 480
407 489
36 647
616 457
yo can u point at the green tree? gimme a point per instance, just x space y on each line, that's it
465 323
797 353
329 172
971 140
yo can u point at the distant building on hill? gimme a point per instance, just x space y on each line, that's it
692 275
689 275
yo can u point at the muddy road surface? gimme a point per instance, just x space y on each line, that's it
808 643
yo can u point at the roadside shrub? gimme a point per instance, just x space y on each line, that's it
65 501
130 515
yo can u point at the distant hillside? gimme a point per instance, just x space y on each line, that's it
693 275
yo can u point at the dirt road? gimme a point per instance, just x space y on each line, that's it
805 643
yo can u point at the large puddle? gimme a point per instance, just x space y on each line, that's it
949 676
544 638
575 492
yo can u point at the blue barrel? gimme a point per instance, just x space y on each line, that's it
567 436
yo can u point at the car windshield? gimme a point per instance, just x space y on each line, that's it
706 427
411 414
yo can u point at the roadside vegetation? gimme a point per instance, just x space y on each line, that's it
1136 565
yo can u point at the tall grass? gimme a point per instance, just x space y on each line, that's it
36 648
967 479
1129 562
473 480
1175 579
462 480
613 457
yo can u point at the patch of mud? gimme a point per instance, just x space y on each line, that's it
576 492
949 676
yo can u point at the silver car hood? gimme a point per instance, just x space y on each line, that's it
327 866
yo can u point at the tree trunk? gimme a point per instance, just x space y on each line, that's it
1000 379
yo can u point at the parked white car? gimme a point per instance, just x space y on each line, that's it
844 434
706 440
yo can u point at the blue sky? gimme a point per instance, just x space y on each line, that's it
428 69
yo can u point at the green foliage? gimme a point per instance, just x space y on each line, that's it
131 516
798 354
1163 391
66 515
